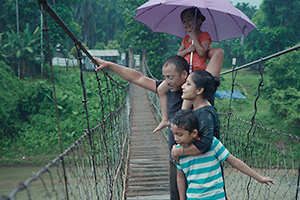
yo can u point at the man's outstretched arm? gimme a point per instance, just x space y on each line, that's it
128 74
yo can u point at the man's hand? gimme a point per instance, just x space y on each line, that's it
102 64
176 152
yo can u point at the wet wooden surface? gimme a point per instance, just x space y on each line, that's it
148 171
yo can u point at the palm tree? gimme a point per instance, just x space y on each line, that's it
85 15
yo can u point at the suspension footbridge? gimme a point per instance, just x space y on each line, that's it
121 158
148 176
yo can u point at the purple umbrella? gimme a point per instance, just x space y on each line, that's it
223 20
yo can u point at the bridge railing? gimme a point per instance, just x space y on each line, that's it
94 167
267 151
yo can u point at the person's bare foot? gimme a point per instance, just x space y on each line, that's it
162 124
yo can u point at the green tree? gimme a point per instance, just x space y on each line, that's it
7 16
247 9
100 20
85 15
284 89
23 48
110 20
238 48
159 46
29 13
278 28
9 90
100 45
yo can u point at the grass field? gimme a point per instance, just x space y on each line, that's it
247 83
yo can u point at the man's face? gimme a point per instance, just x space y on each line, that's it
173 78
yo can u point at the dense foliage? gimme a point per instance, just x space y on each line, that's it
28 118
284 90
27 106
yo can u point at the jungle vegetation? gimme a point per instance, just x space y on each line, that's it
27 112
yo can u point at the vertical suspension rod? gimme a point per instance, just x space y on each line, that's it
78 44
298 183
55 100
60 22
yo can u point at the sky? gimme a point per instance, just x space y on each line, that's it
251 2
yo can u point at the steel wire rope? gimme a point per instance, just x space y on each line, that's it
42 9
261 70
228 124
84 101
298 182
79 45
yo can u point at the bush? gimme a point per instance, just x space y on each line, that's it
10 91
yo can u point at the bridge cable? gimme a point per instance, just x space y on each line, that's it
261 71
84 101
80 46
54 95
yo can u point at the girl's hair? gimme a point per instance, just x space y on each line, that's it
205 80
187 120
192 10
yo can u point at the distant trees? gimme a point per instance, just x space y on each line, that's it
110 24
100 20
21 50
284 90
278 28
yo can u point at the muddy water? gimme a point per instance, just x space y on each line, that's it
10 177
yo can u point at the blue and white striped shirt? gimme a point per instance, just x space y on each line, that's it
203 173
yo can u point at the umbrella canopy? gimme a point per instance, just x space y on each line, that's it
223 20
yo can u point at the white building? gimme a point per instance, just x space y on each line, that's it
109 55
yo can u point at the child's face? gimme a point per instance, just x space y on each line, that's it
188 21
189 90
182 136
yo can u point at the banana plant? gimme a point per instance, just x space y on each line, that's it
23 48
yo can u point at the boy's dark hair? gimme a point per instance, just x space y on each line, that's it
187 120
205 80
180 63
192 10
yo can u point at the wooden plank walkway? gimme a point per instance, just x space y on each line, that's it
148 171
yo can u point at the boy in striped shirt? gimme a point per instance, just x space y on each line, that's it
202 173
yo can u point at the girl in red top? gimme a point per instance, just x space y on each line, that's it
197 42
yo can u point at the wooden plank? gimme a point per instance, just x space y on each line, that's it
148 168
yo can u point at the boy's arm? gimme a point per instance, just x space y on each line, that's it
128 74
181 181
163 100
240 165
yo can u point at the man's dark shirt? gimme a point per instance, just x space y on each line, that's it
174 104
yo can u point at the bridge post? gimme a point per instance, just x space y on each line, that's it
131 59
143 63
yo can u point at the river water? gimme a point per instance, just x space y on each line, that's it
10 177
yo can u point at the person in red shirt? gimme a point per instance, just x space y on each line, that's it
195 44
